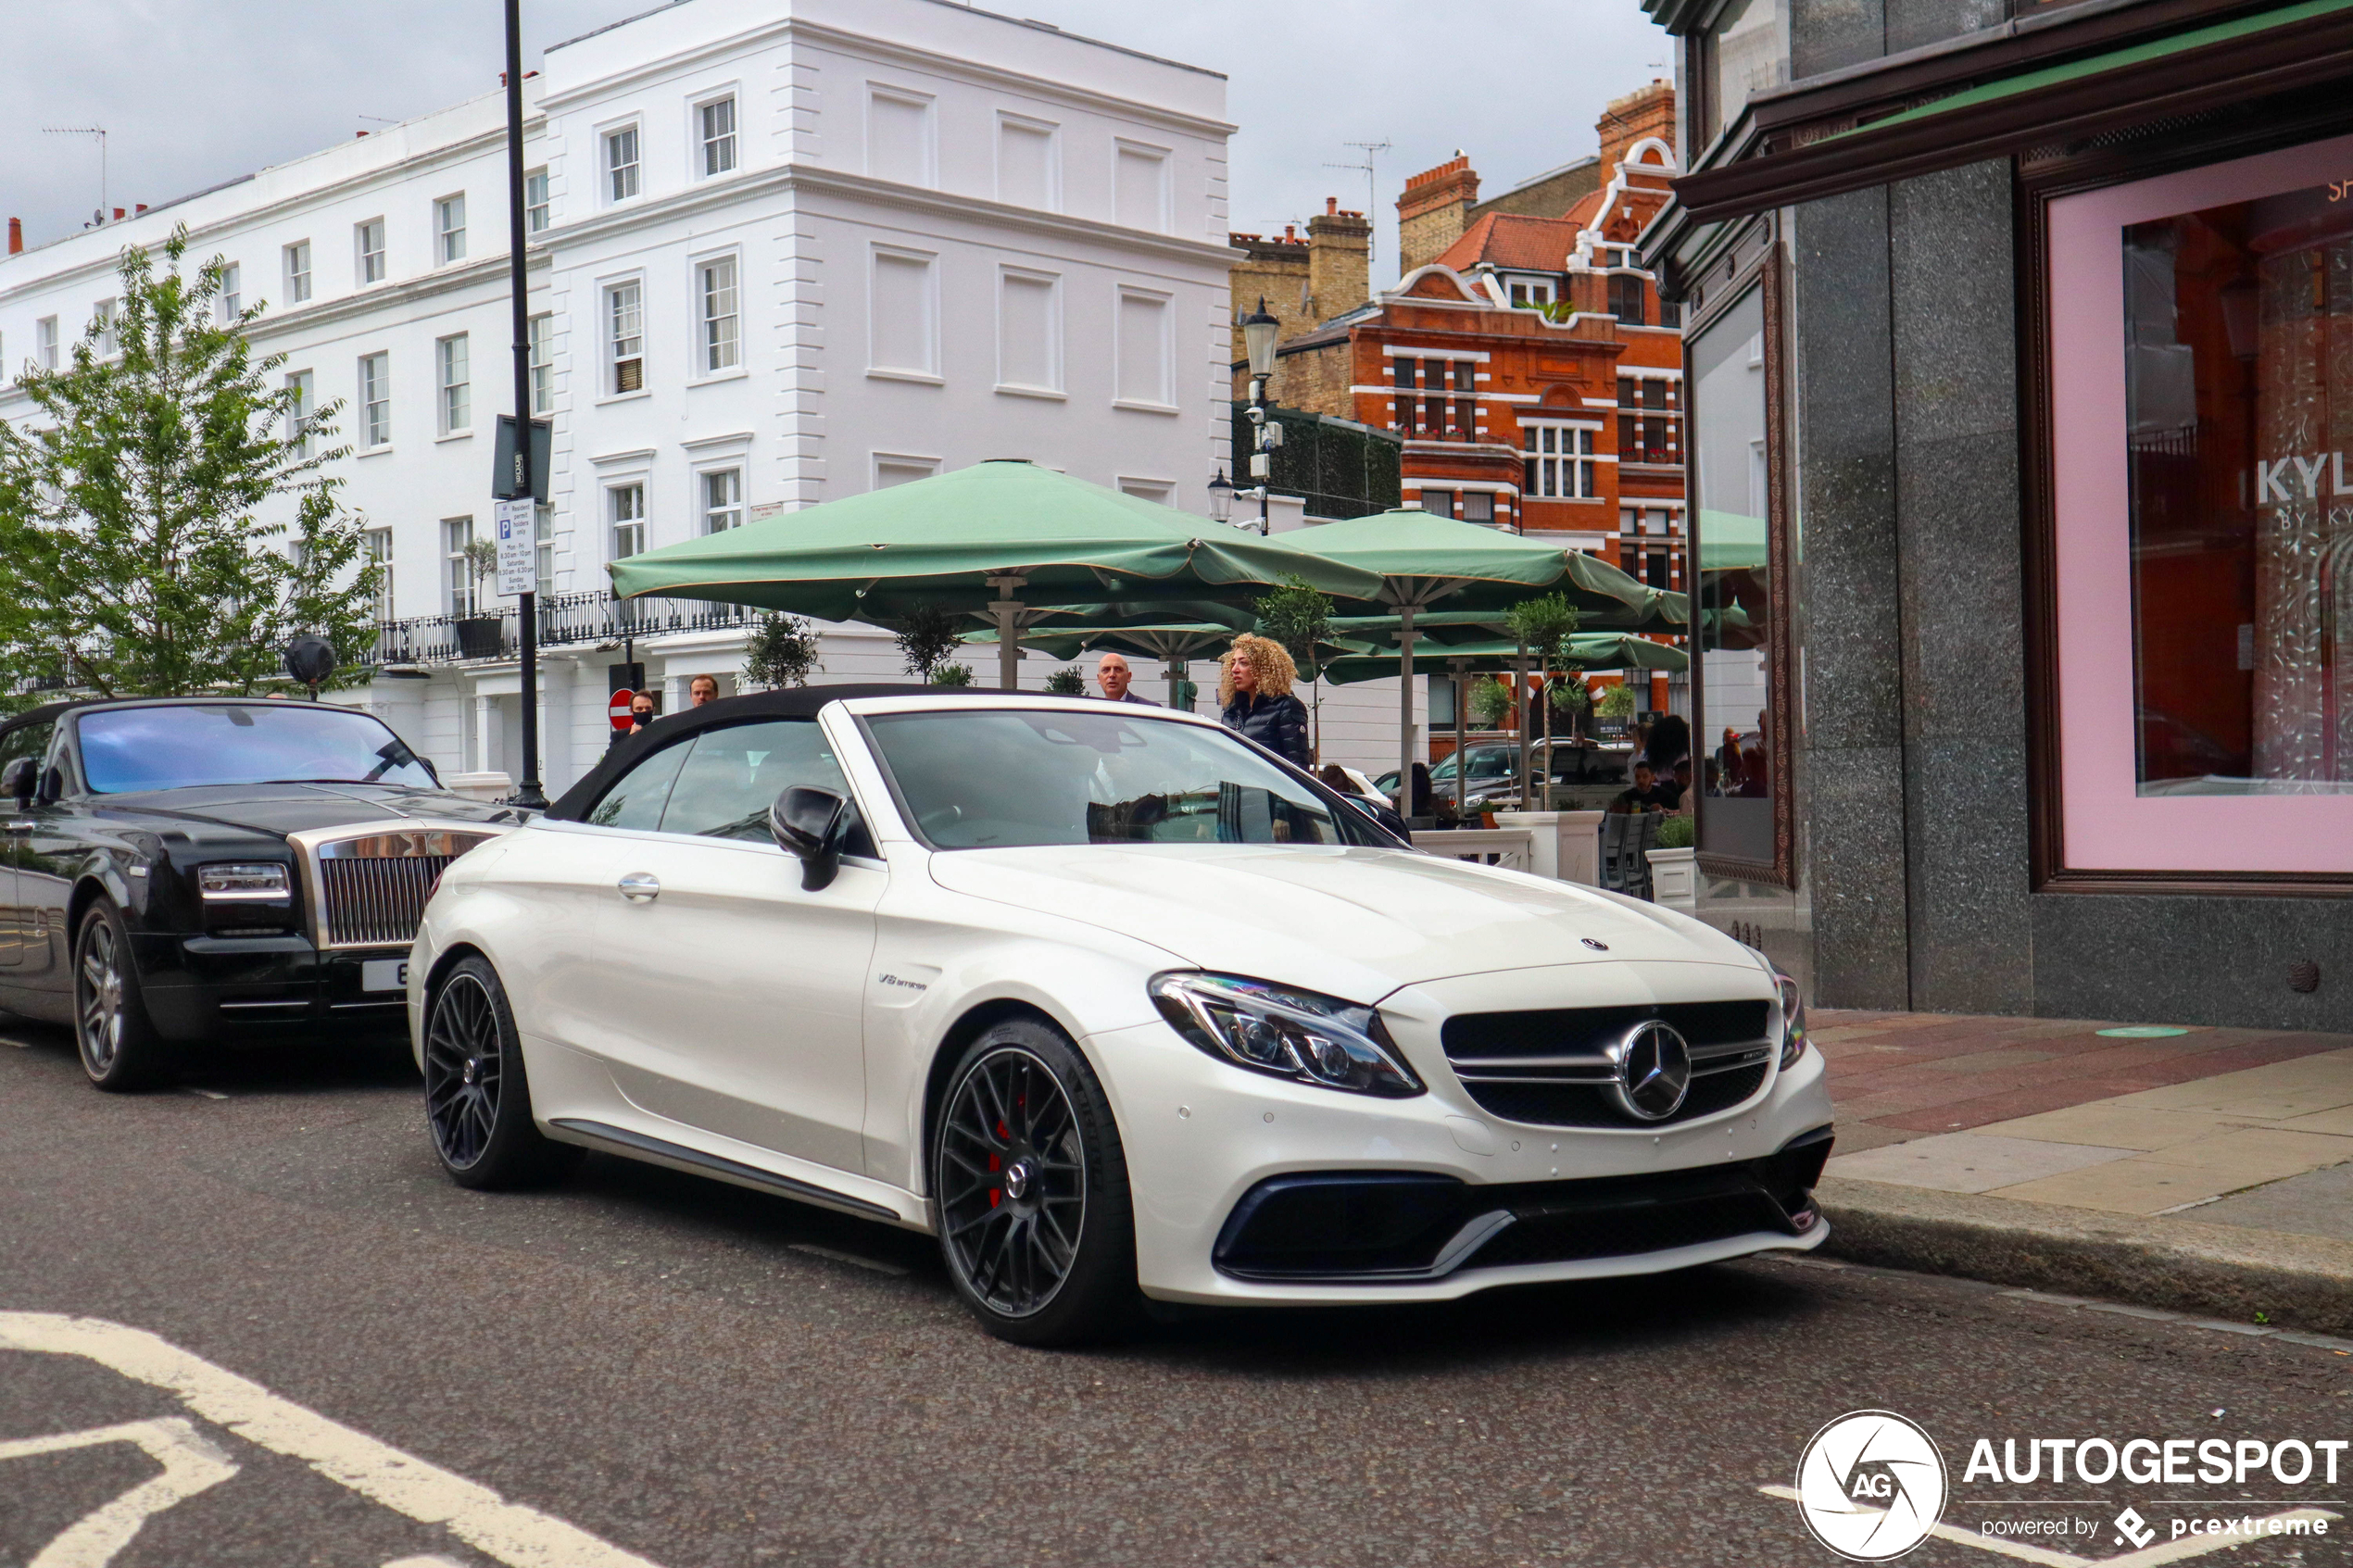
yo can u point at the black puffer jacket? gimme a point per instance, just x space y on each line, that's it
1278 723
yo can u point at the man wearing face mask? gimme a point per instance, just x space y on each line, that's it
641 716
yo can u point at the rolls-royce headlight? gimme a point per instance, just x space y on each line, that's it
1793 1021
1296 1034
263 884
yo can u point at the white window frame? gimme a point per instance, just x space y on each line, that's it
461 591
541 356
705 510
611 339
376 546
609 179
448 229
930 376
44 343
717 358
453 385
297 257
701 144
543 549
1053 133
375 401
536 214
633 489
910 97
231 298
905 463
1056 387
1161 492
1165 158
103 315
369 266
1567 458
304 386
1121 293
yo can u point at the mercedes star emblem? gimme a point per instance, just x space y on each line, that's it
1654 1071
1597 947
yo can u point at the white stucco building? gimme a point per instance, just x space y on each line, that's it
782 251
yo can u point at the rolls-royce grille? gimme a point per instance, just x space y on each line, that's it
373 901
1549 1068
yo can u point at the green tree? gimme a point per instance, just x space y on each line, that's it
927 636
1617 702
782 651
133 557
1067 681
1544 624
1298 616
952 675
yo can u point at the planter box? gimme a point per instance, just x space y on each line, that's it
478 637
1675 879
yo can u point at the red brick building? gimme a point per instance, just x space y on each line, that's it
1535 379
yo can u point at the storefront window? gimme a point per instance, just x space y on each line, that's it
2206 720
1740 771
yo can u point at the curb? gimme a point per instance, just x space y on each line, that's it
2181 1265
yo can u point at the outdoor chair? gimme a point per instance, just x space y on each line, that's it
1627 837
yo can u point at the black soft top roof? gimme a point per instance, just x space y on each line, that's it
790 702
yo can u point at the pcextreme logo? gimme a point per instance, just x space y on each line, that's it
1871 1486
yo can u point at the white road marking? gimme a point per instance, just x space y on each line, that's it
520 1537
2147 1556
190 1464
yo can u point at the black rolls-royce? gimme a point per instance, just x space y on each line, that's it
184 868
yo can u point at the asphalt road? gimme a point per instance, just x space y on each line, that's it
702 1375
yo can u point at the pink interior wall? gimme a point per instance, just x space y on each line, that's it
2106 825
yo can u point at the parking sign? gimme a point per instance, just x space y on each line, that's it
518 547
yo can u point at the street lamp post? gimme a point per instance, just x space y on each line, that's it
525 481
1258 342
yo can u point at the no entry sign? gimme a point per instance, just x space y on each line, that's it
618 710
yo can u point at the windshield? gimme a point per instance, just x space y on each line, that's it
128 749
998 779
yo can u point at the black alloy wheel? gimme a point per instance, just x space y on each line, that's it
1035 1218
118 1044
477 1098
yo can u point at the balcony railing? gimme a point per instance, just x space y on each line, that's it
565 620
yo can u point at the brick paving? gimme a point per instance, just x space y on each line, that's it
1901 1075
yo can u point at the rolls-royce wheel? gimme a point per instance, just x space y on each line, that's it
477 1097
1031 1183
118 1046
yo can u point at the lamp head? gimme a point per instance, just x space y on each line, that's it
1258 341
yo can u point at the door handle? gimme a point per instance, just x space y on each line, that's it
640 887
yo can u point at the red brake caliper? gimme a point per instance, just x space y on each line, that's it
996 1164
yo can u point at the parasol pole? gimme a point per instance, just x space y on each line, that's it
1007 608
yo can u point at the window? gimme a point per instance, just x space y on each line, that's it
457 550
102 315
298 271
902 321
1141 188
543 534
1741 773
44 343
379 547
1626 299
1648 429
722 500
624 336
375 400
1478 505
1742 55
715 125
1145 350
232 299
301 409
1559 462
1028 163
368 240
1437 503
452 377
449 229
732 775
626 505
1531 292
542 369
891 469
535 200
716 284
899 136
621 164
1401 373
1029 349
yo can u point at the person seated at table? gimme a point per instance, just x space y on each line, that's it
1642 794
1670 789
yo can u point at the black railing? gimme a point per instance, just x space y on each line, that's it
565 620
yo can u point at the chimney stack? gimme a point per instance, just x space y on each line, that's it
117 215
1434 210
140 208
1340 254
16 236
1644 113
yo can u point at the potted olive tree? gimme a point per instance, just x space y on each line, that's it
477 633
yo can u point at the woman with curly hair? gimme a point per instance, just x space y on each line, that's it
1256 700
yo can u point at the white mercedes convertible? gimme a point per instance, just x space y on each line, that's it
1111 1002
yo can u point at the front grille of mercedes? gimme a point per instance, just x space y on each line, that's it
1545 1067
376 900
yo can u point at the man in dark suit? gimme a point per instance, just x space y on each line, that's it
1113 676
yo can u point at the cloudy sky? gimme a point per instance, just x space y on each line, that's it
195 92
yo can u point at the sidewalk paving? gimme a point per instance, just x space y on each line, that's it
2194 1167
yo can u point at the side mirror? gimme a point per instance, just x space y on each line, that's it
808 821
17 779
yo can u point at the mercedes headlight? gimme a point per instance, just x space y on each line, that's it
1793 1021
265 882
1287 1033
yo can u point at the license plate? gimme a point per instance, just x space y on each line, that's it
383 974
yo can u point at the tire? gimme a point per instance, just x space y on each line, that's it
477 1096
1030 1189
112 1034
